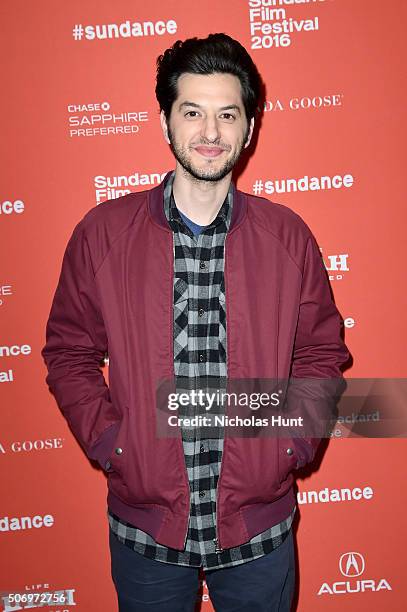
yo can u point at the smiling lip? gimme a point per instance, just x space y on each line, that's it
209 151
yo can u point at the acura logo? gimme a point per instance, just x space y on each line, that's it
352 564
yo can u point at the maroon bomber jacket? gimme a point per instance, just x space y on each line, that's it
115 297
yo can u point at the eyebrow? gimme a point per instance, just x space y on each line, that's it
223 108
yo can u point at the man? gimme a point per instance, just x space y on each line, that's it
193 279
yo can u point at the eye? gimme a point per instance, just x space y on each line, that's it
191 114
228 117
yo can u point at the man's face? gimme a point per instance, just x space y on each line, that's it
207 129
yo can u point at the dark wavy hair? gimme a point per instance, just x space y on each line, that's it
218 53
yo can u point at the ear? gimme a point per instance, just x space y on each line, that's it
249 137
164 126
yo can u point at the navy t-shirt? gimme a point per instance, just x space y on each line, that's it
194 227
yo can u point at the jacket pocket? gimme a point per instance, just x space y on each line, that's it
111 443
287 458
102 449
118 451
117 461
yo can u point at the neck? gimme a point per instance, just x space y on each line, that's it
199 200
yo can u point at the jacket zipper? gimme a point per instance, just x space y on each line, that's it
173 369
218 547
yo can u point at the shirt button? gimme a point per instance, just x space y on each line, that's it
202 448
201 358
201 312
202 265
202 493
118 451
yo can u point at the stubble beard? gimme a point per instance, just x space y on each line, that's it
205 174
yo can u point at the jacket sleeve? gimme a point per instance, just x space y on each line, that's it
316 380
76 345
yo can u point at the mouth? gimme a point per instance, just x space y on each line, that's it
206 151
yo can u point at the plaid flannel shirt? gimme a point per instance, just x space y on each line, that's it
200 350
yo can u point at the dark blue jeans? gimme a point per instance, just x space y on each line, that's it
262 585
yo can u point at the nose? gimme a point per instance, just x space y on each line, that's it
210 129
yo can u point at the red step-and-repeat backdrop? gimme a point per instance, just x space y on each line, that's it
81 125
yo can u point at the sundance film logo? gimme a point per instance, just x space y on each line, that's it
113 187
272 26
10 207
352 566
17 523
15 350
326 496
